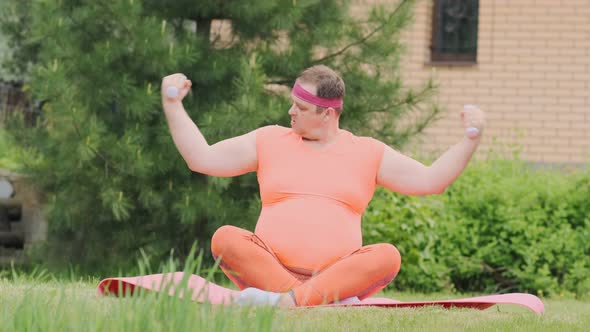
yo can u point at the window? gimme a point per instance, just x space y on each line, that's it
454 31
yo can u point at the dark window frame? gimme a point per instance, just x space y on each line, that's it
437 55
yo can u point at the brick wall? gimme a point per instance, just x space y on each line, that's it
532 78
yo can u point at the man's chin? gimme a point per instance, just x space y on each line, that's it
296 130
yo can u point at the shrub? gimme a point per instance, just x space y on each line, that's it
501 227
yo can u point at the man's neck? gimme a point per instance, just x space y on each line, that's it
325 137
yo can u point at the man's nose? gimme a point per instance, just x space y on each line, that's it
292 110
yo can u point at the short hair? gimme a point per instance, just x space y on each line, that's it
327 82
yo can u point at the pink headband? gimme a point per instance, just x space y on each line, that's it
301 93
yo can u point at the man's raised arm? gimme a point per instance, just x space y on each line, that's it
231 157
405 175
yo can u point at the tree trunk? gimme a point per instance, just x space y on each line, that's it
203 27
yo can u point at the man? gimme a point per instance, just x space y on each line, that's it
315 182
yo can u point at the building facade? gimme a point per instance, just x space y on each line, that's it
531 74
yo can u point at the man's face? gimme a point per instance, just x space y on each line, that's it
304 117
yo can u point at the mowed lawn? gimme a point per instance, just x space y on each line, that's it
33 305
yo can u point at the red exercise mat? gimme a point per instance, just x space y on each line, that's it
204 291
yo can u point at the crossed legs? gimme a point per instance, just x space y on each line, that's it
249 262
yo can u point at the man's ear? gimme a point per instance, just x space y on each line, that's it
328 110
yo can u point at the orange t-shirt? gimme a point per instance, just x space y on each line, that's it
312 200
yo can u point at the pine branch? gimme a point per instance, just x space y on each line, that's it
106 161
287 82
113 14
365 38
399 103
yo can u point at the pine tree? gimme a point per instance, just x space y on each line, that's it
101 151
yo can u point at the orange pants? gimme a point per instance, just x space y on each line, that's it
248 262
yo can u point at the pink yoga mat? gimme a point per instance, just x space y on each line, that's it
203 291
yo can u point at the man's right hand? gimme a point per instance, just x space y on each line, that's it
231 157
179 81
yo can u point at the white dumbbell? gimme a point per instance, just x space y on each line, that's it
172 92
471 132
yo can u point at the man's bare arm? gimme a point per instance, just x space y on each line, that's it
231 157
405 175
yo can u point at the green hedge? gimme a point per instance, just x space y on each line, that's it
8 159
501 227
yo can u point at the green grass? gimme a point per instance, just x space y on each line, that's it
43 303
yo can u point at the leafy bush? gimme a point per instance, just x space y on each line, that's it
410 223
8 157
501 227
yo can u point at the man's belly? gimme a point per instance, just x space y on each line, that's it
308 234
